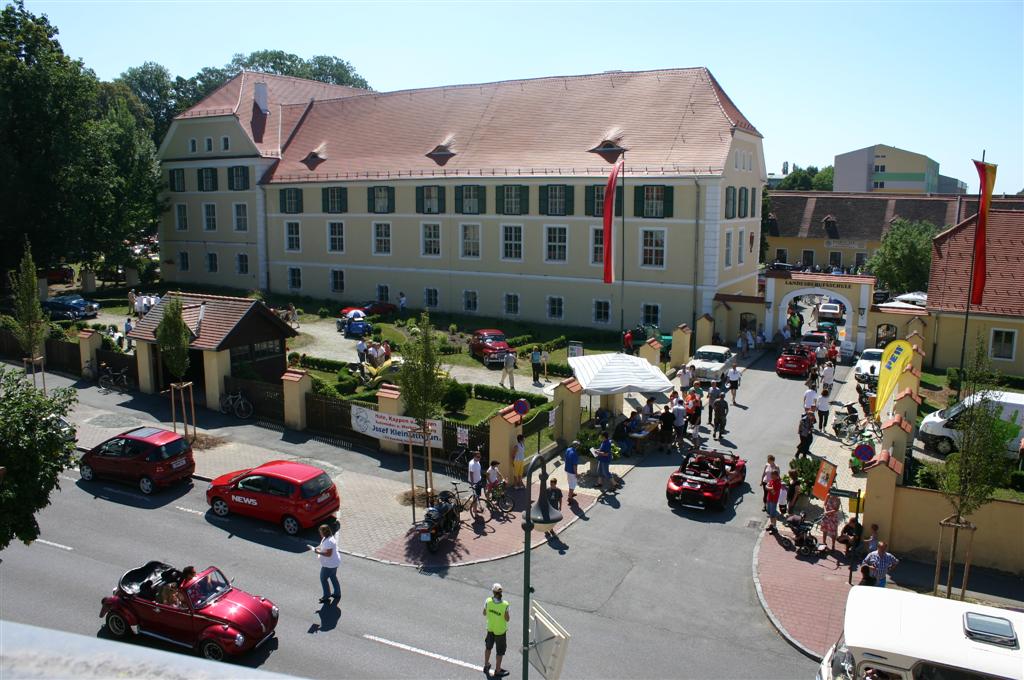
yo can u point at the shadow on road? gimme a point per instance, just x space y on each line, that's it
128 495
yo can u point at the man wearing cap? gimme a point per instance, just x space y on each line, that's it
572 460
496 612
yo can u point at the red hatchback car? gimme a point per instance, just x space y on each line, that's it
795 360
706 479
205 612
148 457
295 495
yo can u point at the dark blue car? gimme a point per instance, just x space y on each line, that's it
86 308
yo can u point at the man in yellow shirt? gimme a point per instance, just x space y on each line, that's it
496 611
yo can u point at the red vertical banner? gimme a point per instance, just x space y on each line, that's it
987 175
609 215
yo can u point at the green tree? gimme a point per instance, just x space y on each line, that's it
173 339
34 452
31 327
422 376
904 259
797 180
153 85
335 71
822 181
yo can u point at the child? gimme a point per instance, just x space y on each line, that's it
493 476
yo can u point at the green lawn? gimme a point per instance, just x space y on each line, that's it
1009 495
475 412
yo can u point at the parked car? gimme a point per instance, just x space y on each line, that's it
830 328
59 311
866 368
489 345
205 613
60 274
830 311
357 327
795 360
941 430
815 338
86 308
784 267
295 495
372 307
148 457
706 479
710 362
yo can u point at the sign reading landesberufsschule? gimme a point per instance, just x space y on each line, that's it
392 427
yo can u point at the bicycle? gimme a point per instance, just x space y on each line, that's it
236 403
460 502
497 499
111 379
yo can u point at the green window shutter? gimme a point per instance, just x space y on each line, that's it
199 179
344 199
542 199
325 203
620 196
570 206
481 191
667 212
369 200
245 179
458 198
298 201
499 200
440 199
419 199
638 201
588 199
391 199
281 197
753 202
214 179
524 199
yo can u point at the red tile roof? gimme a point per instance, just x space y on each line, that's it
949 279
676 121
572 385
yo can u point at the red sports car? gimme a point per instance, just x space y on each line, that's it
295 495
706 479
795 360
371 308
148 457
203 612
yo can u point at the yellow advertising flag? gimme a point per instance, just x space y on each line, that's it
895 358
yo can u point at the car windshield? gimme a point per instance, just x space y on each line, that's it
315 486
208 589
813 338
494 337
70 298
871 355
170 449
715 357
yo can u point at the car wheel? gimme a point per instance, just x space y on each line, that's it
117 626
220 507
671 500
211 650
945 446
85 470
146 485
290 525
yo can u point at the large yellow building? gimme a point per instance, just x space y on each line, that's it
479 199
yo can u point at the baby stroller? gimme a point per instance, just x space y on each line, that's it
805 542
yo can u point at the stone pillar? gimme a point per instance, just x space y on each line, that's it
296 384
906 406
88 280
917 355
145 365
896 436
88 342
651 352
909 379
679 353
42 288
613 403
567 421
390 401
880 494
504 427
131 277
917 326
216 366
705 330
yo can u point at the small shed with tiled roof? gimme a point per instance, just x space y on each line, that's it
228 335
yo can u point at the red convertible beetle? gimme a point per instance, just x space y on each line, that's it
706 479
795 360
204 612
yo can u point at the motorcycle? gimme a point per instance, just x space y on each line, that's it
441 520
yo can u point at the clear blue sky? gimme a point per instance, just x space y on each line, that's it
945 79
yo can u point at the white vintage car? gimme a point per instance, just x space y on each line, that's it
867 366
710 362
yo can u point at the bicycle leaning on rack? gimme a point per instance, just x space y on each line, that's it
236 403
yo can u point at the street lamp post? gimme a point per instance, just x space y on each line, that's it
542 517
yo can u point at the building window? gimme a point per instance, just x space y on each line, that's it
183 261
381 200
781 255
557 243
335 237
192 146
835 258
860 260
207 179
753 202
292 237
807 258
740 254
241 217
1003 345
176 180
878 185
652 248
597 245
654 201
744 197
335 199
471 241
599 200
225 143
294 278
469 301
430 199
291 201
728 249
238 178
469 199
558 200
181 217
211 263
266 349
730 203
383 292
513 199
879 168
241 263
430 298
651 314
511 242
209 216
555 307
512 304
381 238
337 281
209 144
602 311
431 240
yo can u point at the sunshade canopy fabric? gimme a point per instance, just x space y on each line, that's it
618 373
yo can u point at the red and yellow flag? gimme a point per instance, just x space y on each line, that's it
609 214
987 175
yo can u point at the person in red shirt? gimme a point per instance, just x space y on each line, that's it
772 489
833 353
627 342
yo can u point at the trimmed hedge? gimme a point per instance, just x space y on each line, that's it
549 346
559 369
519 340
307 361
506 396
1016 480
347 383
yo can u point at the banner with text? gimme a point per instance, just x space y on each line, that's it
393 428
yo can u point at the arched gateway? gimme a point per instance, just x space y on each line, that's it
854 291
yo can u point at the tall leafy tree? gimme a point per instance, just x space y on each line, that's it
903 260
766 212
173 339
421 377
154 86
822 180
335 71
797 180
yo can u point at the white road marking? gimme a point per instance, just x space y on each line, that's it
70 479
423 652
55 545
194 512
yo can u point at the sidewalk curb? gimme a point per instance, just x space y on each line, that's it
770 614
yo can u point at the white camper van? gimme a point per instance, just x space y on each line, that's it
891 634
938 430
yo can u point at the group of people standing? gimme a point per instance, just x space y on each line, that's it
375 353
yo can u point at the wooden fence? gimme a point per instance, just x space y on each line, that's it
9 346
65 356
333 417
267 398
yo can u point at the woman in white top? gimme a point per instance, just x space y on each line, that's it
330 560
770 468
733 376
684 378
823 406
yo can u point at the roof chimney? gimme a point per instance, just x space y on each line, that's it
260 95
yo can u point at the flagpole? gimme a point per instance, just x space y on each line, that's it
622 250
970 290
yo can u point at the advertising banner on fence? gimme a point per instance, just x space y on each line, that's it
895 358
391 427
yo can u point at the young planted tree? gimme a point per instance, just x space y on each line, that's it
173 339
422 381
34 450
32 327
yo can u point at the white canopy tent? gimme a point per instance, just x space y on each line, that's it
618 374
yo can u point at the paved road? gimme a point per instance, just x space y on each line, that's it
646 591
